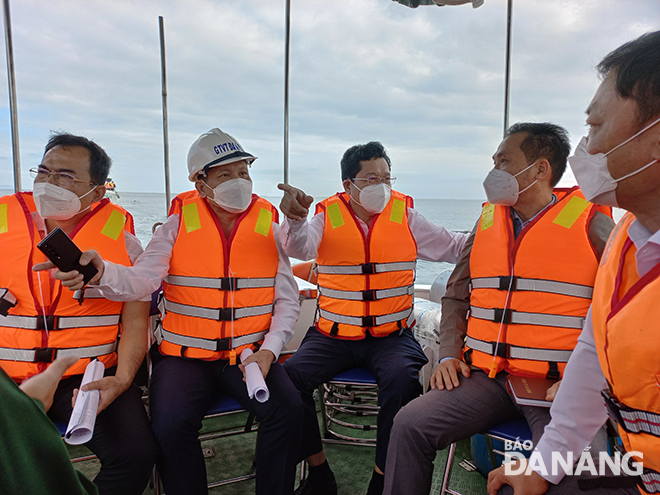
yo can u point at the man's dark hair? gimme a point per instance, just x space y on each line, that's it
99 161
545 140
350 162
637 68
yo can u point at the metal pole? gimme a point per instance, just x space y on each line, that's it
12 98
166 141
507 76
286 92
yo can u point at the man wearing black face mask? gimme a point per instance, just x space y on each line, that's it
365 240
514 305
616 359
43 321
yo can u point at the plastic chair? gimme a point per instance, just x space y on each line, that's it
513 430
352 393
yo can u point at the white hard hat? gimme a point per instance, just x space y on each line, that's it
214 148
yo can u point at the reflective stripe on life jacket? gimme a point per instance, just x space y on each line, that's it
219 293
625 315
365 281
33 335
530 295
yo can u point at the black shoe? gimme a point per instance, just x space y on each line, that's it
308 487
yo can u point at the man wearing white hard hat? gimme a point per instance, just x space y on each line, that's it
227 286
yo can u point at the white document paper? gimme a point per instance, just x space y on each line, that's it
254 379
83 417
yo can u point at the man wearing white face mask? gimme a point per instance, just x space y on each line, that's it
41 320
515 304
615 369
365 241
226 287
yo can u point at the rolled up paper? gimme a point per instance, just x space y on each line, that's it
83 417
254 379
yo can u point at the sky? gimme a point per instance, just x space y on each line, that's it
427 82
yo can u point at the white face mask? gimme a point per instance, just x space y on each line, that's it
374 198
502 187
56 202
594 177
234 195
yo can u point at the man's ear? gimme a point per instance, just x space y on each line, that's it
98 194
199 185
655 146
347 186
544 170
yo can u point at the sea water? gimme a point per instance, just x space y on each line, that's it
458 215
148 209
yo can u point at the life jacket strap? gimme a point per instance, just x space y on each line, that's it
49 354
532 285
509 316
367 295
217 314
508 351
53 322
366 268
369 321
630 419
215 345
223 283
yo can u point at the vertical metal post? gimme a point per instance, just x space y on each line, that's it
12 98
166 142
507 76
286 91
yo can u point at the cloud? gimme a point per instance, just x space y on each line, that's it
427 82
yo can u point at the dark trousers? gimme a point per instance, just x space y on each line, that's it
123 440
394 361
182 391
441 417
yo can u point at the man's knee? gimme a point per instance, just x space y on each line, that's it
403 386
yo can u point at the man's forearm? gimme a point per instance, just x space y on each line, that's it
133 343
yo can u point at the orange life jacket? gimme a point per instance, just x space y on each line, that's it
218 296
625 315
87 328
538 285
365 282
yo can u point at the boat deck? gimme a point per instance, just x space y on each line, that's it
352 464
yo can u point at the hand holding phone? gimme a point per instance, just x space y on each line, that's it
62 251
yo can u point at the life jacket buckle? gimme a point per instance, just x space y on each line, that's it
368 321
613 408
44 354
503 315
7 301
226 314
229 283
50 323
503 349
368 268
369 295
223 344
508 282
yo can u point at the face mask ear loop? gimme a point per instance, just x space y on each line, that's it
633 136
350 196
43 306
635 172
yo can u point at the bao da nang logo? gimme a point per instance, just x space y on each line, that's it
629 463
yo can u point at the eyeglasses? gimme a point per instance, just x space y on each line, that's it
374 180
42 174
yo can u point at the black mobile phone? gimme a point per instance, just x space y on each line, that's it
63 252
